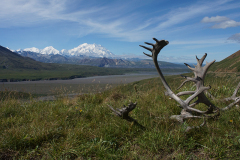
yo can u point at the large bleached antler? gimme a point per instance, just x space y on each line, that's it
199 72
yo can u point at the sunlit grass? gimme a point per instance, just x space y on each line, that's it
84 127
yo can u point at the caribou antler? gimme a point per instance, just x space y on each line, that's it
199 72
123 113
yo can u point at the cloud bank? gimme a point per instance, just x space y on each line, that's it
220 22
235 37
214 19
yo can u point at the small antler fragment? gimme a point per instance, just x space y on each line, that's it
123 113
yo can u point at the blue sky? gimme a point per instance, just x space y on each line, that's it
192 27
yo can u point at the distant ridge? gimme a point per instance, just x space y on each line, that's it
12 60
90 54
229 64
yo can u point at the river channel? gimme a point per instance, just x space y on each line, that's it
76 86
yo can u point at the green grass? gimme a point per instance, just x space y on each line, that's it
85 128
229 64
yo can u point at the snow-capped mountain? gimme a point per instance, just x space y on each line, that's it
90 50
49 50
33 49
90 54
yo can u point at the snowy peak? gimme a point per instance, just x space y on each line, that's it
49 50
91 50
33 49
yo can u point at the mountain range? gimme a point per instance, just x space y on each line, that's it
14 67
90 54
89 50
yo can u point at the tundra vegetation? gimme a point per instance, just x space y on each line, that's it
85 128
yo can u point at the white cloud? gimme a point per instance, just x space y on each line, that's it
214 19
235 37
226 24
220 22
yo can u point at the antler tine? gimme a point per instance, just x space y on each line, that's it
194 104
189 67
210 110
114 111
188 79
149 44
185 93
202 59
234 95
236 90
231 105
198 61
183 83
155 39
123 112
197 58
147 54
150 49
199 91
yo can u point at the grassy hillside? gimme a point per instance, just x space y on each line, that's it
85 128
229 64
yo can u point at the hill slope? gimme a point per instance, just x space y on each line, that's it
12 60
229 64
